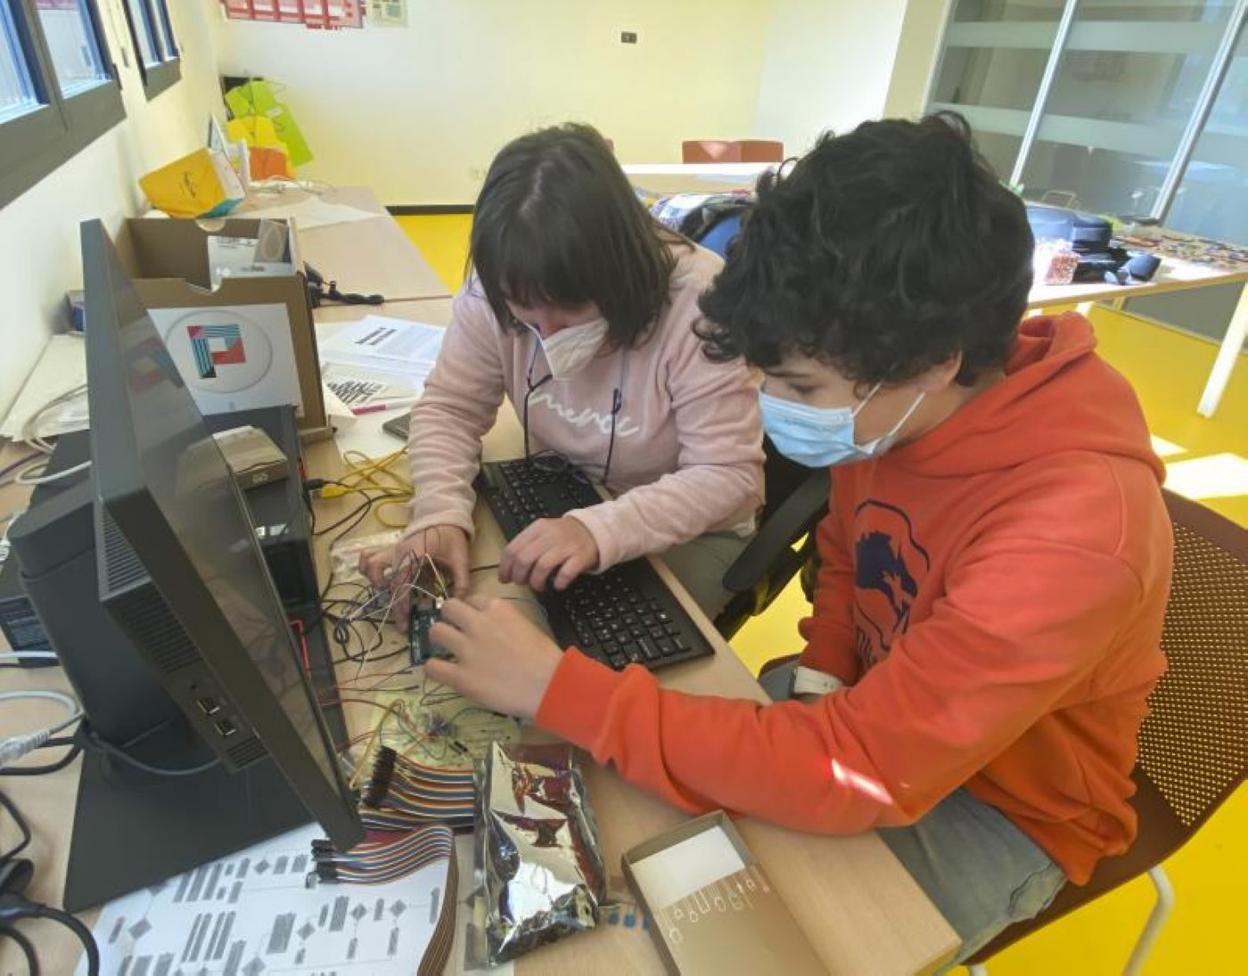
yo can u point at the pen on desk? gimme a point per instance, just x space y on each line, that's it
386 405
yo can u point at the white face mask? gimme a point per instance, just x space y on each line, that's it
570 349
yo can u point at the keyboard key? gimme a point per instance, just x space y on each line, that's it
656 633
681 644
648 649
618 661
665 646
633 653
663 617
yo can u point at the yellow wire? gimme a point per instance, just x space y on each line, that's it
376 474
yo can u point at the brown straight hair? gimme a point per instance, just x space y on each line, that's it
558 223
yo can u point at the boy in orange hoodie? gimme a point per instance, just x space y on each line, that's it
994 565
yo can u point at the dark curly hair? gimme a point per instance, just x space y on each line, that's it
883 252
558 222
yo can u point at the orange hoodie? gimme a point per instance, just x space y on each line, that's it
992 594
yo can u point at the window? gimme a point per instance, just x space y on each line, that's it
72 44
994 59
1087 103
58 88
17 94
1123 107
154 47
1124 89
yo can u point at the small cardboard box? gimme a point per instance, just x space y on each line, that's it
247 343
712 907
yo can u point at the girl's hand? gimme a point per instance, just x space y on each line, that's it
396 565
561 546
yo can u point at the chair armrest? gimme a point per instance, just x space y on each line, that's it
795 516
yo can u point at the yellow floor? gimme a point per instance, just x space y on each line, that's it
1206 459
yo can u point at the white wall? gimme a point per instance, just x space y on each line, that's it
828 65
39 230
417 113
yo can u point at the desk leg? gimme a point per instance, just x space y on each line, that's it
1232 343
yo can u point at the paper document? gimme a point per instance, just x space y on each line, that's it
232 357
309 213
252 913
383 345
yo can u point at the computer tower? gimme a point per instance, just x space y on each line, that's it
277 510
131 828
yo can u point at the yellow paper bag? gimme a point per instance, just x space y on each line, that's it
201 184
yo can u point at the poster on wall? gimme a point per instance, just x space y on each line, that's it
232 358
317 14
387 13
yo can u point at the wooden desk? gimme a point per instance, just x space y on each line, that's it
854 900
859 907
366 256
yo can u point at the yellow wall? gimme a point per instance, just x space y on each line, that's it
39 230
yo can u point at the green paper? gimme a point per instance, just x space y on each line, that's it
256 98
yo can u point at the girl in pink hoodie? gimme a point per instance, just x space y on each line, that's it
580 309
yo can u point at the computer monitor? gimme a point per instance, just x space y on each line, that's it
180 570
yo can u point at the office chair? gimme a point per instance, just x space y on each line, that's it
710 151
1194 742
731 151
797 498
761 150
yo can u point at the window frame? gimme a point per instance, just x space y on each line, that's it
34 144
159 27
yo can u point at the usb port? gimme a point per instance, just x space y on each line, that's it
208 706
226 728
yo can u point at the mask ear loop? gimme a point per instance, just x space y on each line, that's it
617 402
887 438
531 388
867 399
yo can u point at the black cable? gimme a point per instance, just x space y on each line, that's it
93 741
14 907
22 827
363 510
75 748
23 943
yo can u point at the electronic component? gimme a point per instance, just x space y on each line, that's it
251 455
623 616
424 615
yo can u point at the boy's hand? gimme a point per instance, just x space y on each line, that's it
501 659
562 547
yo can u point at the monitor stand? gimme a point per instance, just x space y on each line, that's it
134 830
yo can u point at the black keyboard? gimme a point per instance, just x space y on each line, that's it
626 615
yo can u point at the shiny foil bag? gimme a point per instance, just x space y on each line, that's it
539 869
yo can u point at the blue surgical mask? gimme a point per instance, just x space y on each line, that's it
820 437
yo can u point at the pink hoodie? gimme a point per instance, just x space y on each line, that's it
688 440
